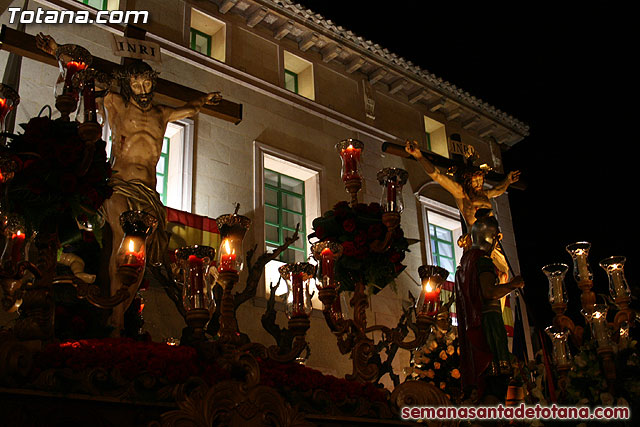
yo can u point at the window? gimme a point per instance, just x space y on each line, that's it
102 4
284 205
174 168
291 81
442 251
442 228
200 42
162 170
298 75
207 35
436 137
288 192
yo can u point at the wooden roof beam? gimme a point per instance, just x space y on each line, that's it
330 52
417 96
435 106
377 75
308 40
397 86
227 5
470 122
355 64
256 17
283 30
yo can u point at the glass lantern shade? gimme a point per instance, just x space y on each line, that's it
326 254
555 274
131 256
559 339
9 100
618 286
298 277
579 252
84 81
432 277
392 180
197 290
71 59
597 320
16 245
232 228
8 169
350 151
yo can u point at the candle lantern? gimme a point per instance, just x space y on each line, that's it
427 305
232 228
392 180
88 115
557 291
559 339
71 59
16 246
597 319
9 100
618 286
579 252
298 277
197 291
131 255
8 169
350 151
326 253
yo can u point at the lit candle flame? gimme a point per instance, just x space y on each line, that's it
428 287
227 246
131 246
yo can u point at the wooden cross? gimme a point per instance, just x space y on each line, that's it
23 44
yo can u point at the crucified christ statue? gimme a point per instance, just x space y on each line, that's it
138 129
469 194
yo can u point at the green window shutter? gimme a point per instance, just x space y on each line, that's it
428 141
442 249
162 170
200 42
284 208
291 81
96 4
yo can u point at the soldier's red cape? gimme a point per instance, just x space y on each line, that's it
475 354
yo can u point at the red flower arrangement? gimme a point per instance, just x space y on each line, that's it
53 177
357 229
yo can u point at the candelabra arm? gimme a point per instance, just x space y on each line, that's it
92 293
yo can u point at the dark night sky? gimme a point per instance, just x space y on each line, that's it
563 72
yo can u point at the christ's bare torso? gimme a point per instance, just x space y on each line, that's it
468 206
136 141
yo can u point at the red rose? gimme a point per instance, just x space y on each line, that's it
362 252
360 239
349 225
348 249
376 231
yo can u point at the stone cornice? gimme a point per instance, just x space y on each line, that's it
318 23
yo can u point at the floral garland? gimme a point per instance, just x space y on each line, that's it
50 180
438 363
357 228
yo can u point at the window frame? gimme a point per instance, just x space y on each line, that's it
194 33
435 253
295 80
164 157
281 209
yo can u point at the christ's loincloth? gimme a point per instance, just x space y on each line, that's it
143 198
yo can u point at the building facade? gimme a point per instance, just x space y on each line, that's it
303 84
